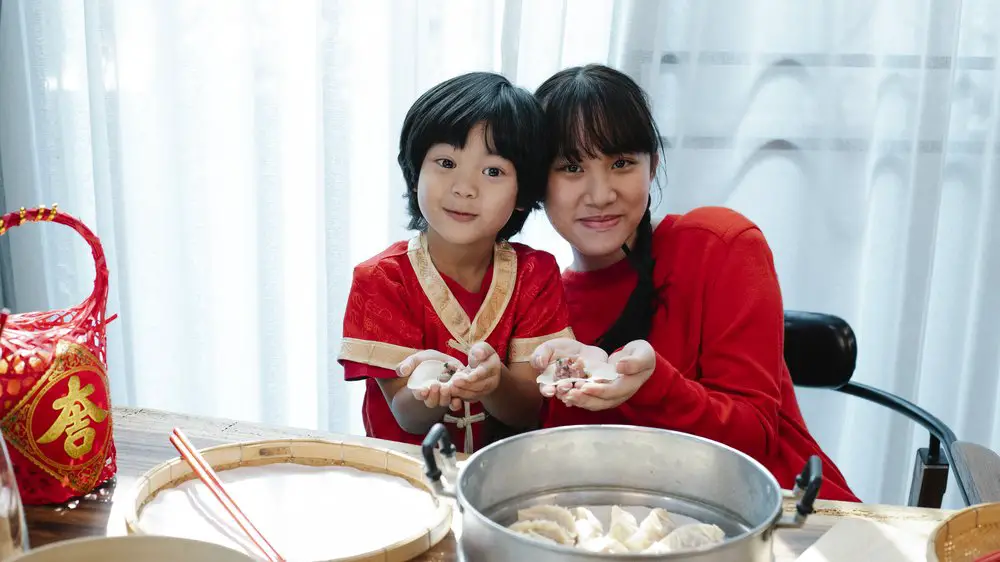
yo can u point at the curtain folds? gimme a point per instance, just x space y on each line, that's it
237 159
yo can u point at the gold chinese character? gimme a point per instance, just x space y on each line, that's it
75 414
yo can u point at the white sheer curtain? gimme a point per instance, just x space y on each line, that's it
237 158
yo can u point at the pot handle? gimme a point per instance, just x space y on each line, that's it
806 490
439 433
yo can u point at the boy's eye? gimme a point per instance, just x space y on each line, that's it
493 172
445 163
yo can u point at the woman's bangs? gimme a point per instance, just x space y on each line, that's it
588 121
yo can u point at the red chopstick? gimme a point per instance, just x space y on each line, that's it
208 476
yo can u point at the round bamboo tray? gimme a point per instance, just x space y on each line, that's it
306 452
967 535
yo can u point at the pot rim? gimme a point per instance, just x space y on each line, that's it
759 529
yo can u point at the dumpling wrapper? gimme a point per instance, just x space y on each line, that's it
427 372
537 537
657 525
588 526
623 524
599 371
657 548
549 530
695 535
557 514
606 545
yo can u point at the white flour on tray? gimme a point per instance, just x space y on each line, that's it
307 513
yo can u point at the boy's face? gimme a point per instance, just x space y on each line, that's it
467 195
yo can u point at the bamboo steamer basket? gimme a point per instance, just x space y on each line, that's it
308 452
967 535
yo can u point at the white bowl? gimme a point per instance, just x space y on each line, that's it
132 548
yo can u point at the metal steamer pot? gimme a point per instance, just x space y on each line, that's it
603 465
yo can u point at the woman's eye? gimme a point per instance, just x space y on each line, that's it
571 168
493 172
445 163
620 163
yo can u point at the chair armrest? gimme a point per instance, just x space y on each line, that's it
942 440
928 421
820 349
979 467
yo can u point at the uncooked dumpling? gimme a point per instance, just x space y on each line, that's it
605 545
577 526
695 535
577 369
623 524
429 372
537 537
549 530
588 526
654 527
557 514
657 548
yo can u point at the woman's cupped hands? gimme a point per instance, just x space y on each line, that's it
634 363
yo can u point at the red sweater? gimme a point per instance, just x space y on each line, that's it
719 335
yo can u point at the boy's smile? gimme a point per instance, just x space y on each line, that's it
460 216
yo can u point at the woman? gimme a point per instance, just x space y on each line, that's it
689 310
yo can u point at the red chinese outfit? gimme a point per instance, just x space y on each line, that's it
400 304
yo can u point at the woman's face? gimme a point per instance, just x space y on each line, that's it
596 204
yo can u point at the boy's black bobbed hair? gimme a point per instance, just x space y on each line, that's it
513 123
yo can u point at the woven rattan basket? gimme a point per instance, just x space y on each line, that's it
55 408
311 453
967 535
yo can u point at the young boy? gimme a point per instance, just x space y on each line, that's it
473 154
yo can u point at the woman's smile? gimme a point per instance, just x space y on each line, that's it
601 223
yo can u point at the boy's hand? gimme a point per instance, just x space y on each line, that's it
438 394
483 375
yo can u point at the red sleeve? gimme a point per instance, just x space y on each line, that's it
380 328
736 400
541 309
357 371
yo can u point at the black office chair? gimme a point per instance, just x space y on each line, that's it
821 352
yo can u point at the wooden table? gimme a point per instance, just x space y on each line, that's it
141 436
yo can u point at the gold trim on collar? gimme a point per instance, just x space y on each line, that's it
500 292
521 349
445 304
374 353
447 307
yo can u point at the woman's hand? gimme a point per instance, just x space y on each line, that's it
482 378
635 363
557 349
438 394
